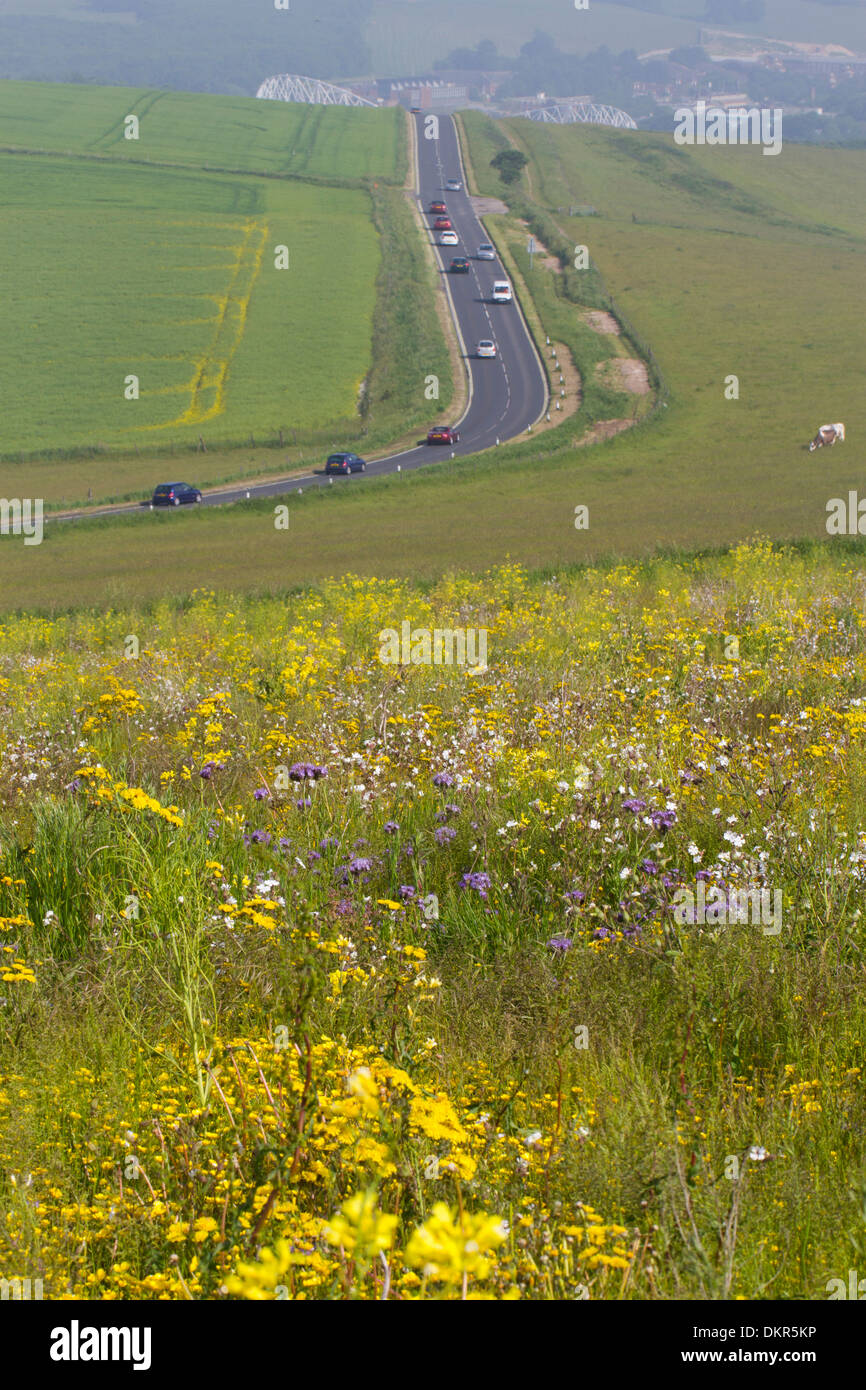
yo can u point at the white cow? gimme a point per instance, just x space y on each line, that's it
827 434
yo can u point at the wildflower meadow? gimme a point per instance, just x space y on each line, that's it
325 977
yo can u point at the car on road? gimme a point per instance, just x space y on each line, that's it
442 434
453 185
449 239
486 252
502 292
459 266
442 224
486 348
174 495
415 110
438 206
345 463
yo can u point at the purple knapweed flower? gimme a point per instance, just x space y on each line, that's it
303 803
663 820
306 772
261 794
260 837
602 934
328 844
444 835
443 779
560 943
575 895
207 771
649 866
479 882
360 866
405 892
635 805
391 827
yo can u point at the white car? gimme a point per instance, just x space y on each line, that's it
486 348
449 239
502 292
453 186
486 252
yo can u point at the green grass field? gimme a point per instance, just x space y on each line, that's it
176 283
236 133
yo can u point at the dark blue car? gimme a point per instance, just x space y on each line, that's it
345 463
174 495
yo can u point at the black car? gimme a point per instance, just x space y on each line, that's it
174 495
460 266
345 463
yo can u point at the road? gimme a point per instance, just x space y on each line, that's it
507 393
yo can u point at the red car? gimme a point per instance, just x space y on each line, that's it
442 434
442 224
438 207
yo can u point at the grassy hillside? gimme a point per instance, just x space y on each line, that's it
735 264
282 926
726 262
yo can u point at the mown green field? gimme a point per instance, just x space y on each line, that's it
191 129
175 282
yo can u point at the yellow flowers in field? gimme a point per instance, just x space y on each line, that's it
448 1248
432 988
359 1229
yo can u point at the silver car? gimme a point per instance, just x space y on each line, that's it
486 252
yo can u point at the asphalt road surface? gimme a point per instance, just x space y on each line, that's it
508 392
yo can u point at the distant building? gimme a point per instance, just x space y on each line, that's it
839 67
445 88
